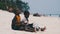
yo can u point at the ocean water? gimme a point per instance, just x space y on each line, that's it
54 15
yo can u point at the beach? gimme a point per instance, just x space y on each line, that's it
52 24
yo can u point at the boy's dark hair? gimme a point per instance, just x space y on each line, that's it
26 14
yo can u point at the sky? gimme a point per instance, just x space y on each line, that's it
44 6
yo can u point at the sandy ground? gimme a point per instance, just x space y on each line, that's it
52 24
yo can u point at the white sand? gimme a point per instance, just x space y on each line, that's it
52 24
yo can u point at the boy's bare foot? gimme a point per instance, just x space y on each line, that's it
43 29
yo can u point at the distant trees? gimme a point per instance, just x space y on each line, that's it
16 4
2 5
22 5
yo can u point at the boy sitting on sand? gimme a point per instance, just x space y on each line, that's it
31 27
